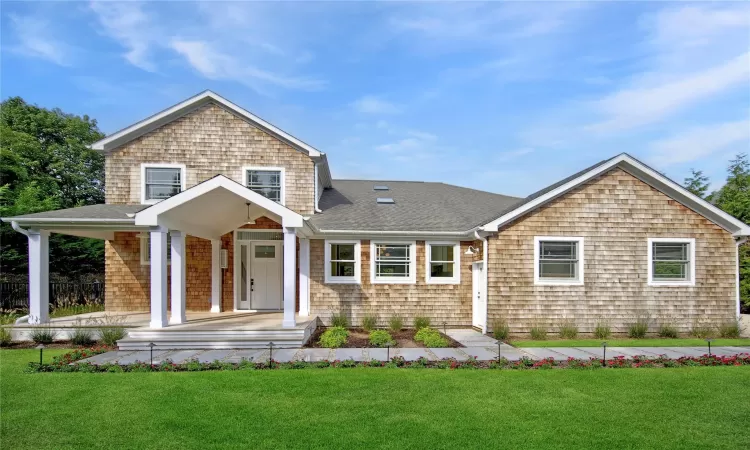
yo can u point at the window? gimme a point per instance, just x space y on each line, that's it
393 262
146 249
671 262
342 259
266 181
558 260
265 251
443 262
161 181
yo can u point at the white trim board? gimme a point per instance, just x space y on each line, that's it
645 174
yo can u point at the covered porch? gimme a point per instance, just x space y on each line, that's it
208 211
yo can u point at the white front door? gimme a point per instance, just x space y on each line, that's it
477 283
265 280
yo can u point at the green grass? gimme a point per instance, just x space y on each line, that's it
656 342
697 407
73 310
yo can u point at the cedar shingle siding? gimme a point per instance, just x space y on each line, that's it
616 213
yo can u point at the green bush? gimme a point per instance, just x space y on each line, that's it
639 328
501 329
333 337
424 333
730 329
381 338
539 332
111 329
421 322
369 322
339 320
82 337
702 330
568 329
435 341
5 337
602 330
43 335
396 323
667 330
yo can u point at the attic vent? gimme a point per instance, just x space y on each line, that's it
380 187
385 200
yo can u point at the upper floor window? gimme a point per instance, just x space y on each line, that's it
266 181
161 181
393 262
443 262
558 260
671 261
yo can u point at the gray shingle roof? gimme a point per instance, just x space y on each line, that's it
419 206
90 212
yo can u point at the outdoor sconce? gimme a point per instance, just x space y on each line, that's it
471 251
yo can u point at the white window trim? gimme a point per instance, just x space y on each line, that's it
270 168
651 281
144 249
559 282
183 176
356 279
456 278
412 263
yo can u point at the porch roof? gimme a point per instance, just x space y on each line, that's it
90 213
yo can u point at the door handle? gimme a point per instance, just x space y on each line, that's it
252 284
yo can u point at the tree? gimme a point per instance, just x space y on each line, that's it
44 165
697 183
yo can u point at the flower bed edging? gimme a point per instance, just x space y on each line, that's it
68 363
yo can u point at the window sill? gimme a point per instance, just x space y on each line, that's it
558 283
671 283
442 281
394 281
342 281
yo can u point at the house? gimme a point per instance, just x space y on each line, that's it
211 209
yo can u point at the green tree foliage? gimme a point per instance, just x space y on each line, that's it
44 165
697 183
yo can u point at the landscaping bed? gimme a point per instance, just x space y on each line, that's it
360 338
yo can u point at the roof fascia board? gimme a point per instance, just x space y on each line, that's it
53 220
159 119
645 174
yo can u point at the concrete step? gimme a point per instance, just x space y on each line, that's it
204 344
221 335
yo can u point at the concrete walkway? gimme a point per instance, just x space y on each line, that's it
480 346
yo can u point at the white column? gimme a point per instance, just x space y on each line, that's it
38 276
178 277
215 275
158 278
290 276
304 277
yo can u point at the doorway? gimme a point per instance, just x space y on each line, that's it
259 275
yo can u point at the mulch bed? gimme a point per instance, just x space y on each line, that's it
359 338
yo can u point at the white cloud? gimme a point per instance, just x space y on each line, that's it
402 145
700 142
371 104
127 23
512 154
34 40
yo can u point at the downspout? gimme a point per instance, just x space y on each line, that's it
738 241
486 276
315 186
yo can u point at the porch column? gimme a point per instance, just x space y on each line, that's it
38 276
158 278
304 277
178 277
215 275
290 276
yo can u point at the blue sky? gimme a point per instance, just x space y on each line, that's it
505 97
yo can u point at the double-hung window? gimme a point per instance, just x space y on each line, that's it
145 247
671 261
558 260
266 181
393 262
443 261
342 262
161 181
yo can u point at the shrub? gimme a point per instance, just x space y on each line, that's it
339 320
539 332
639 328
435 341
702 330
381 338
5 338
568 329
111 329
424 333
667 330
421 322
501 329
369 322
82 337
730 329
43 335
602 330
396 323
333 337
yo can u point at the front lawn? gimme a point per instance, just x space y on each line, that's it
698 407
632 343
